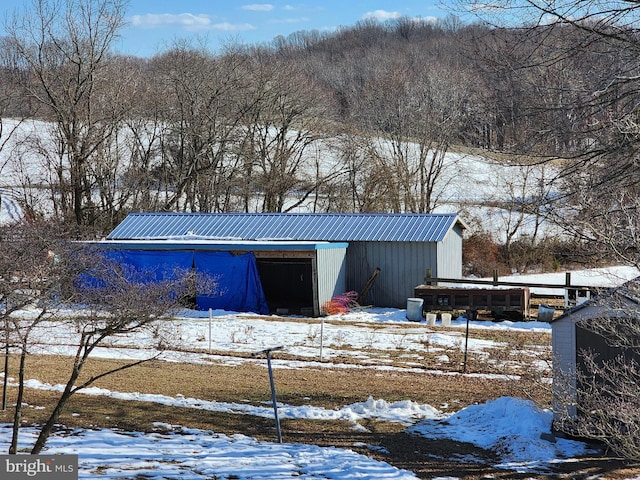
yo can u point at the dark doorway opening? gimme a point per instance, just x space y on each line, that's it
287 284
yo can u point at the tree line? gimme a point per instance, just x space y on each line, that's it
356 120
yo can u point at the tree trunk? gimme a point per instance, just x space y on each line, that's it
47 428
13 448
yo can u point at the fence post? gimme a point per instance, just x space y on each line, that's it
466 341
273 387
321 337
210 320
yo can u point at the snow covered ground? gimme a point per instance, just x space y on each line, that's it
177 452
509 426
605 277
369 338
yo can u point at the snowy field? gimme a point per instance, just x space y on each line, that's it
510 427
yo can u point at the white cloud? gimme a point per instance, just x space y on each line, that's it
548 19
381 15
259 7
232 27
188 21
485 7
154 20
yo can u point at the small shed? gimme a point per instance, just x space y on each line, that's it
572 337
402 246
292 277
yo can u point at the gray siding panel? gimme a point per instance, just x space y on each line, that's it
331 273
402 266
449 255
563 340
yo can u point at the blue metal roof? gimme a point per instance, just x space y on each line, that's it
331 227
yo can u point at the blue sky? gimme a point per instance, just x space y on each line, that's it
153 24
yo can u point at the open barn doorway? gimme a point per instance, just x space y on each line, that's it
287 284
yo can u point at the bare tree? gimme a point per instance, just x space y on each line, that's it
28 275
119 171
357 189
202 110
518 209
48 273
415 114
604 216
14 106
287 115
436 120
586 120
64 47
119 301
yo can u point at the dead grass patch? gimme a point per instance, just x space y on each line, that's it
327 387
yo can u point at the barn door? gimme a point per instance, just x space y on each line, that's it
287 283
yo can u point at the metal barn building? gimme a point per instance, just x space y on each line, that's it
402 246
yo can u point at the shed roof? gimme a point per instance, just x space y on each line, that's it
332 227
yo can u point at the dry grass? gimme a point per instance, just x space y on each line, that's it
326 387
329 388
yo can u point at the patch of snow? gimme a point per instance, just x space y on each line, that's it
176 452
512 427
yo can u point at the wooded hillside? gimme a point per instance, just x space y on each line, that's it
361 120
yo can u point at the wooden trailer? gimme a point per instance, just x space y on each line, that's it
500 303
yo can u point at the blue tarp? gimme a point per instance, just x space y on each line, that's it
154 265
237 283
238 286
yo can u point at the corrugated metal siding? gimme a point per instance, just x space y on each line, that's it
290 226
402 266
563 340
449 259
331 268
